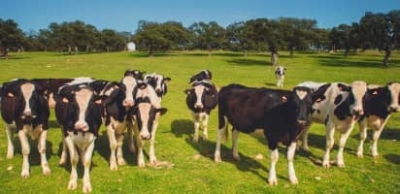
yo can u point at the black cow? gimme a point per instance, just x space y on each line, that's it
51 86
25 110
201 99
281 114
78 111
202 75
384 100
147 112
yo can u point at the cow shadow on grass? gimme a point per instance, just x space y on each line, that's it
182 127
393 158
247 62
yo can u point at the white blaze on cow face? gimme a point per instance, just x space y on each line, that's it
359 88
130 84
301 94
145 109
394 89
83 97
27 90
199 90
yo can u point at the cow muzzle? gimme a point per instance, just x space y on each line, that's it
28 115
81 127
358 112
145 136
128 103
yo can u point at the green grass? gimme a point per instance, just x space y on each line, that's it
191 168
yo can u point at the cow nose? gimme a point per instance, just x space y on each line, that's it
28 115
145 136
127 103
198 106
158 91
81 127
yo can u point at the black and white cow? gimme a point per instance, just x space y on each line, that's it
201 99
158 82
281 114
51 86
138 75
78 111
147 112
202 75
384 100
280 73
25 110
340 110
118 117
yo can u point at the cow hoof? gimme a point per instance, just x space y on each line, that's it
87 188
294 180
360 155
121 162
236 158
46 171
10 155
72 185
325 164
142 165
375 156
195 140
272 182
25 174
113 167
341 164
217 159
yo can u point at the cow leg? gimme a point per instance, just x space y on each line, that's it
363 135
235 153
10 145
113 146
376 135
274 156
196 119
25 153
131 144
204 124
329 135
342 143
42 151
152 154
304 143
63 158
120 141
290 156
221 132
87 161
139 144
74 157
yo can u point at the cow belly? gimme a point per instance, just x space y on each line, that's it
375 121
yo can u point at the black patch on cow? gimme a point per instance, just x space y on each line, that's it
338 99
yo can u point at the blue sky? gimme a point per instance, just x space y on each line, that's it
123 15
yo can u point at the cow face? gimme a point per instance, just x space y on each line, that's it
394 89
158 82
138 75
128 87
200 96
357 92
280 70
303 101
202 75
82 109
146 115
29 98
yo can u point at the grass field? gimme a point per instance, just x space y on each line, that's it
189 167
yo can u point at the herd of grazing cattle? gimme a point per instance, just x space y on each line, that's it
133 106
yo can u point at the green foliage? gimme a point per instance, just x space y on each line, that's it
189 167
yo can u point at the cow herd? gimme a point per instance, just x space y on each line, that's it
133 107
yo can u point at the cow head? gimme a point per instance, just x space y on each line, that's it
202 75
280 70
138 75
82 108
158 82
200 96
302 99
357 91
394 89
146 114
128 86
29 97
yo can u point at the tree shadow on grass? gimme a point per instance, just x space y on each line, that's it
182 127
340 61
393 158
247 62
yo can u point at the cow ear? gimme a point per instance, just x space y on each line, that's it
167 79
187 91
284 99
161 110
142 85
344 87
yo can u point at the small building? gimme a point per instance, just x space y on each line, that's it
131 46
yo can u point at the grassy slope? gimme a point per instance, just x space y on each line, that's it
190 166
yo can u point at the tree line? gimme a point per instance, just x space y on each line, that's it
373 31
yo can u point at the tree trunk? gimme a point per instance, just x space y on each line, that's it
69 50
346 52
388 52
291 52
245 53
274 58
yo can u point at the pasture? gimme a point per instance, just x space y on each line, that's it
187 167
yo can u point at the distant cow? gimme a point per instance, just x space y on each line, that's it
146 112
383 101
202 75
281 114
280 76
341 109
201 99
158 82
25 110
78 111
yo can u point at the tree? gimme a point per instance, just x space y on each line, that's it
10 36
209 36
